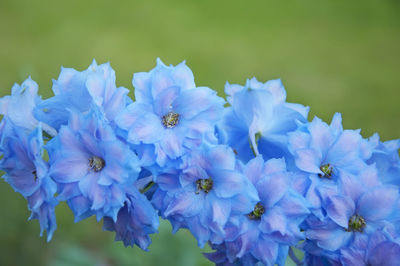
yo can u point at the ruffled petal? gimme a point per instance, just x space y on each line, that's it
186 204
340 209
69 169
227 184
377 203
172 144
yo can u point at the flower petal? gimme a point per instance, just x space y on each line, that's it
378 203
186 204
172 144
340 209
69 169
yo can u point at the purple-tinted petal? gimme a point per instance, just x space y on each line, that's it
377 203
266 251
273 220
221 210
222 157
201 233
254 169
80 206
330 240
294 205
387 253
298 140
131 114
148 129
142 83
227 183
191 174
321 137
116 103
172 144
308 160
186 204
272 188
23 181
340 209
345 148
191 102
242 203
352 257
164 100
69 169
277 90
336 124
88 184
69 139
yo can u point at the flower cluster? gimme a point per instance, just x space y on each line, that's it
252 180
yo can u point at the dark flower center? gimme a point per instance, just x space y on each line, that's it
327 170
257 212
96 163
204 185
34 173
356 224
170 120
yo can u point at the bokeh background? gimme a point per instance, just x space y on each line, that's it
334 56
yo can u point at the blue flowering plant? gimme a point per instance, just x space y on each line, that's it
249 176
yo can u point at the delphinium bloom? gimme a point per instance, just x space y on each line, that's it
18 106
380 248
170 115
259 119
27 172
205 193
324 154
265 234
135 221
386 158
80 90
92 167
350 217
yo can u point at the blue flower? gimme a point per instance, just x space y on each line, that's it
135 221
259 119
205 193
327 156
324 150
385 156
361 211
171 115
265 234
18 107
27 173
379 248
80 90
92 166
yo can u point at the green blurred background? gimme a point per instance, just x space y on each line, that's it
335 56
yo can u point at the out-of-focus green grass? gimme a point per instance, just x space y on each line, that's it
335 56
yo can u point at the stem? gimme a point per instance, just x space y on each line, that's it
147 187
294 258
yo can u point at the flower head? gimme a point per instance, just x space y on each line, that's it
351 216
385 156
205 193
325 157
259 119
91 166
27 173
171 115
135 221
80 90
265 234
